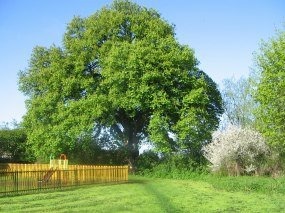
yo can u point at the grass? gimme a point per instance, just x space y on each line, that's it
149 195
247 184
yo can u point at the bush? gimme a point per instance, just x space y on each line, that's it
237 151
147 161
175 165
275 164
14 147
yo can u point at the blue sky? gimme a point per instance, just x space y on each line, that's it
223 33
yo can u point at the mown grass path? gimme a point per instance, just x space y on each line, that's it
146 195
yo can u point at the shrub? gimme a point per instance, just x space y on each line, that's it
147 161
236 151
175 165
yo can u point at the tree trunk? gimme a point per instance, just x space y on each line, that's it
132 146
129 129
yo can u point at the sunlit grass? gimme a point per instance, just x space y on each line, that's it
147 195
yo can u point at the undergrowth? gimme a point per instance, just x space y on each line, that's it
260 184
181 167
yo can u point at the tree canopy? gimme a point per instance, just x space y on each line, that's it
239 105
120 71
270 91
13 146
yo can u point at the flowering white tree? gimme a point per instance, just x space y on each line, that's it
236 150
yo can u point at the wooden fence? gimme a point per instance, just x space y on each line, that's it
20 178
39 167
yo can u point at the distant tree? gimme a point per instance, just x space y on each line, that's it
120 71
270 92
239 104
13 146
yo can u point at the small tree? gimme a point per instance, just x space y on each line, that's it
236 151
13 146
238 102
270 93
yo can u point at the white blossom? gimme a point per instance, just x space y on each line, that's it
235 145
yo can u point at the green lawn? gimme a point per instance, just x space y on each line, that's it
146 195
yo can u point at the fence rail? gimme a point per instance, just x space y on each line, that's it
10 167
16 182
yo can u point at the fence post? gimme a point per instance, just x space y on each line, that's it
58 176
16 181
76 176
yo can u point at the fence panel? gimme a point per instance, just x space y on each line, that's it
14 182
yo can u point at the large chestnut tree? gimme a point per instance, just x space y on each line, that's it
120 71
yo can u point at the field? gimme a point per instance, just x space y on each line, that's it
148 195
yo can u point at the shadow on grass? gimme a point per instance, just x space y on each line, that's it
137 181
164 201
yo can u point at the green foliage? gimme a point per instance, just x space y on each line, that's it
270 91
91 153
147 161
238 102
178 166
120 70
274 165
13 145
